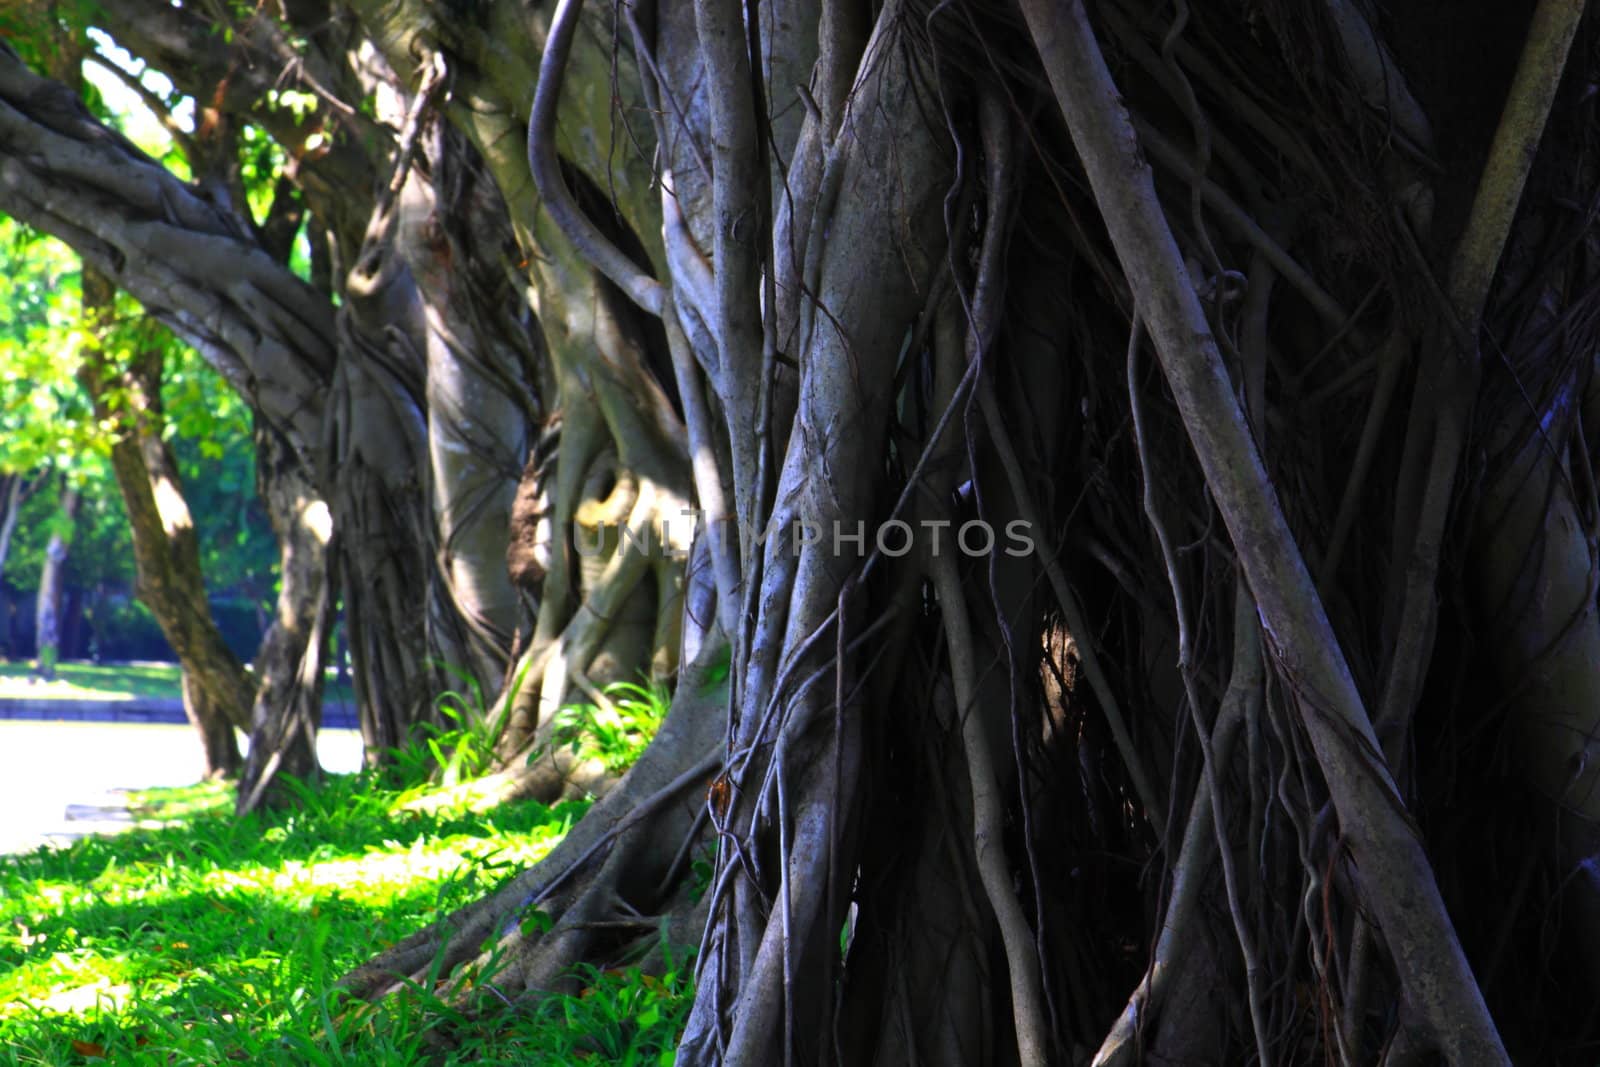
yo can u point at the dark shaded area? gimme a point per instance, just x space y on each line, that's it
114 626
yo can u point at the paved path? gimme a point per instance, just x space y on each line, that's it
59 780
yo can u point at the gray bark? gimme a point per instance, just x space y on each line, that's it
775 263
289 667
187 259
52 577
126 391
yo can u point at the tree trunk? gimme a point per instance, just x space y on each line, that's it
166 548
788 375
617 427
218 741
15 489
376 438
481 408
289 668
52 578
360 427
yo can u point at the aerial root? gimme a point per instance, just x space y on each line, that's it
616 866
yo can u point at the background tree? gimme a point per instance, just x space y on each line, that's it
122 372
36 399
52 578
120 367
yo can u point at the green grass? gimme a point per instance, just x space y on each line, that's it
213 940
91 681
618 729
109 681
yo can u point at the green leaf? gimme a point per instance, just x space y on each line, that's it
536 922
717 671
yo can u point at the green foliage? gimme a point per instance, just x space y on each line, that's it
203 939
618 729
46 421
716 672
125 629
37 31
210 431
102 548
464 750
60 526
102 551
44 418
702 869
622 1017
460 752
262 160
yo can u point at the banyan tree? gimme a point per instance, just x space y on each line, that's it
1109 485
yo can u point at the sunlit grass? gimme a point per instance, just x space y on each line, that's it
213 939
616 730
109 681
91 681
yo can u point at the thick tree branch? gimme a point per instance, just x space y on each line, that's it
245 77
543 162
186 259
1511 156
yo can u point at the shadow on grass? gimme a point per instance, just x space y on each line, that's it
248 976
209 977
